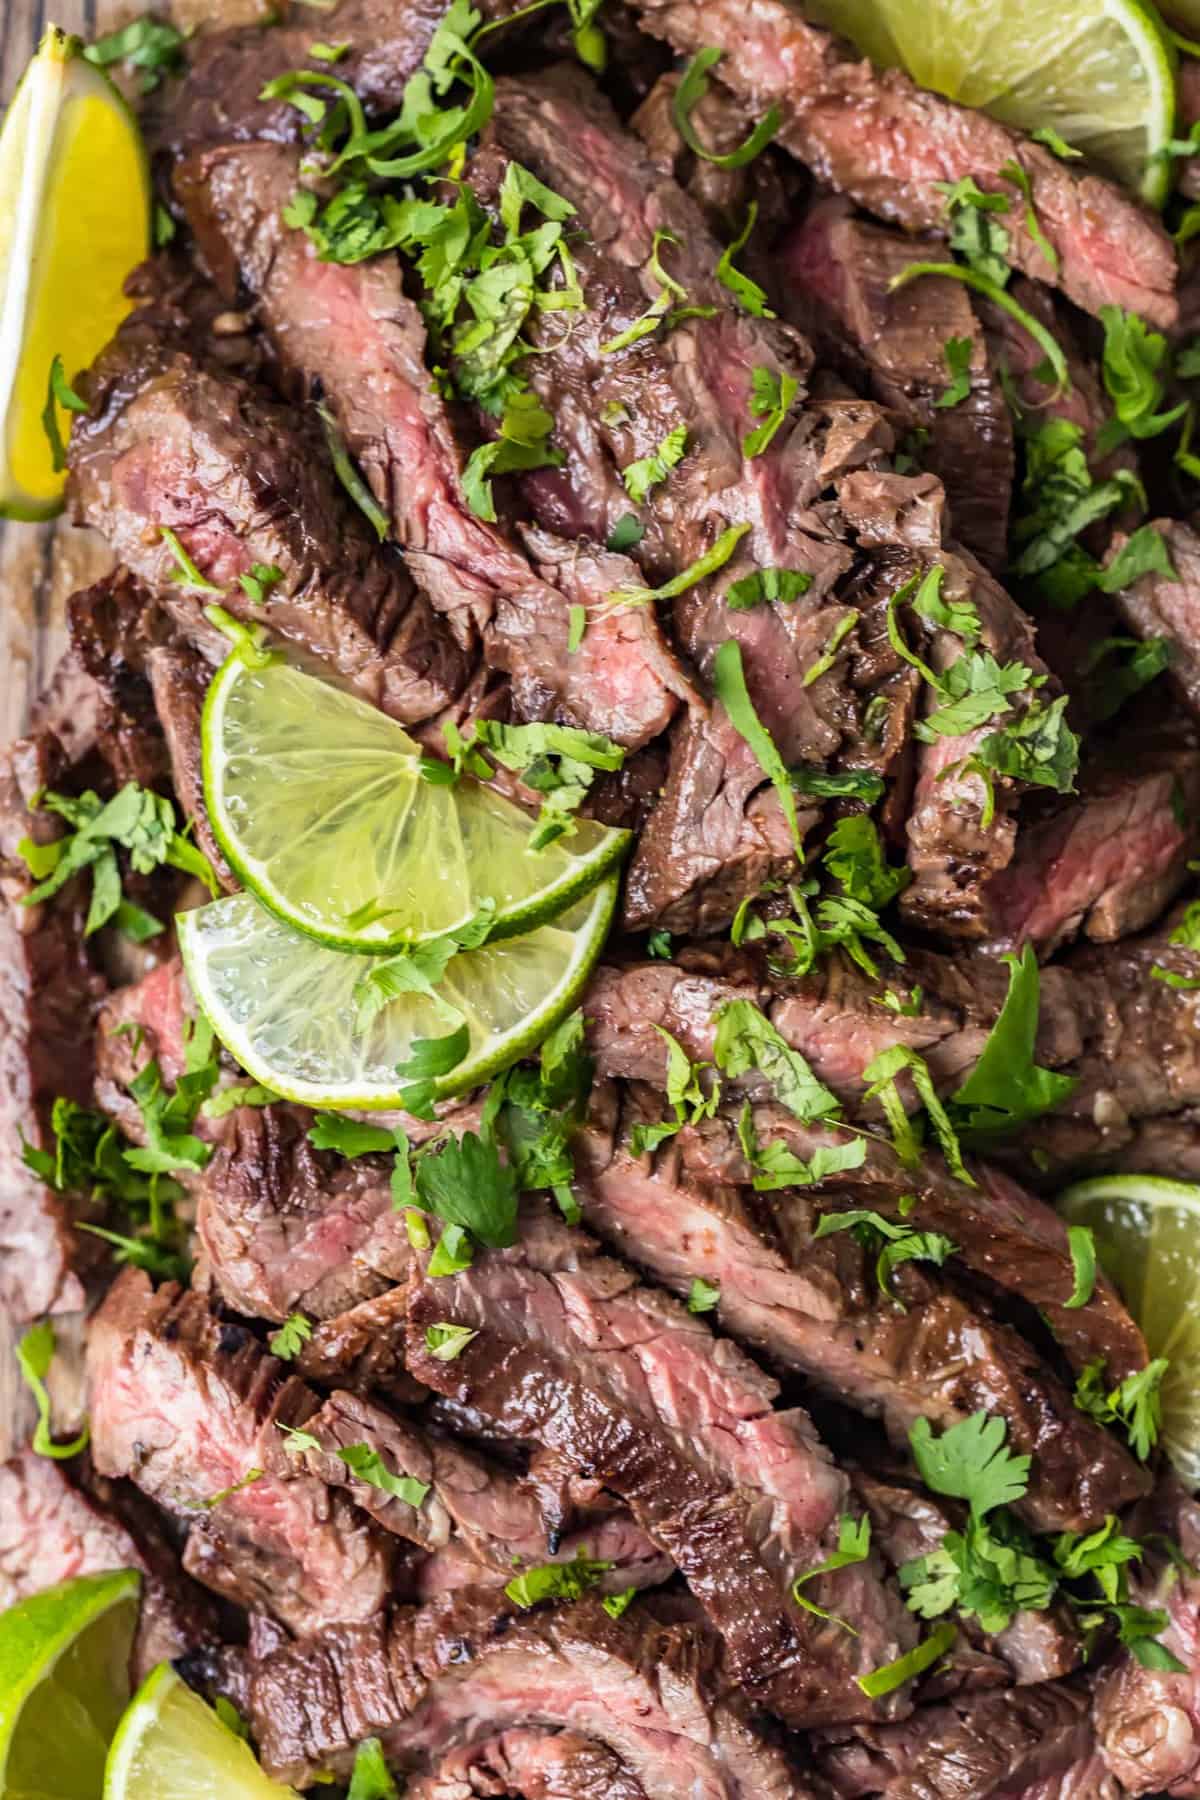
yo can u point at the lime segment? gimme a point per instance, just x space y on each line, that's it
67 242
1148 1238
64 1682
319 805
1101 73
285 1006
171 1746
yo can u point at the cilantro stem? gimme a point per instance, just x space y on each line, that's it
688 95
892 1675
729 682
1045 340
350 478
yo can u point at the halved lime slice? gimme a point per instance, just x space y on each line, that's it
69 236
1148 1238
319 805
1100 73
286 1006
64 1683
171 1746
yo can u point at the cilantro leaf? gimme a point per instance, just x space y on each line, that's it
660 309
465 1183
1132 664
882 1072
616 1605
369 1466
370 1779
825 784
893 1244
970 1462
429 1060
703 1295
349 1137
774 1166
419 968
152 46
890 1676
290 1339
35 1353
854 856
1083 1260
1006 1086
957 352
1134 367
652 470
688 95
825 662
1039 748
749 296
990 1571
659 944
975 233
1144 552
729 684
556 1581
446 1342
257 584
59 392
771 397
746 1039
853 1546
626 534
687 1098
452 1253
781 585
1134 1403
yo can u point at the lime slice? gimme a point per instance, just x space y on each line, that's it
171 1746
68 239
286 1007
1101 73
319 805
64 1683
1148 1238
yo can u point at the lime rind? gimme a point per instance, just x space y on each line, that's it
1099 72
318 805
41 1639
285 1006
171 1746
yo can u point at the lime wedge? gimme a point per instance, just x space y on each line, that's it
68 238
64 1683
318 803
171 1746
1101 73
1148 1238
286 1006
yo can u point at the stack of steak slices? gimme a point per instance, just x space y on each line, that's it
685 1417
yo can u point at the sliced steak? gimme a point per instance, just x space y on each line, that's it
185 1405
287 1228
888 144
1107 862
363 1347
179 678
899 341
814 1306
970 1748
464 1669
1158 607
351 332
1148 1720
574 1355
541 1765
48 996
244 480
112 625
50 1531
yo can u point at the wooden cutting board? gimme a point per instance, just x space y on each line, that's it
40 565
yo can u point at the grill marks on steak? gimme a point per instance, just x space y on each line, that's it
541 1765
184 1405
899 346
462 1670
352 333
814 1306
242 479
574 1355
887 144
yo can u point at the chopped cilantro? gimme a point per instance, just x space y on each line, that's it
154 47
975 233
970 1462
1012 171
227 1493
369 1466
893 1675
659 944
828 656
1120 667
556 1581
370 1779
186 574
849 784
59 392
774 1166
1134 1403
576 627
957 352
290 1339
615 1605
465 1183
703 1296
523 443
854 856
419 968
892 1244
729 683
430 1059
1046 134
557 761
688 95
854 1546
626 534
349 1137
882 1072
1135 366
261 579
749 296
782 585
771 397
705 565
662 309
446 1342
35 1353
1082 1245
640 477
746 1039
1144 552
993 290
1006 1087
689 1100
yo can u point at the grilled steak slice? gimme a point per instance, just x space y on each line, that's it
48 995
179 678
1148 1720
50 1531
970 1748
541 1765
184 1405
888 143
814 1306
464 1669
899 344
488 1513
362 1348
574 1355
1158 607
352 332
287 1228
244 480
